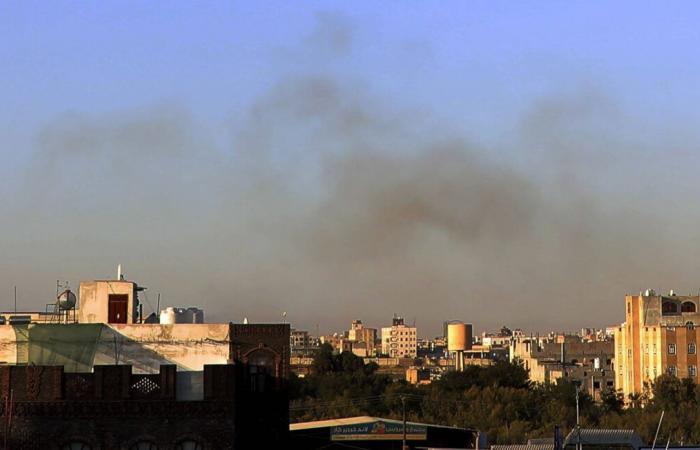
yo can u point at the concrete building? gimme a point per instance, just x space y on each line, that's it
399 340
659 336
589 363
106 380
362 336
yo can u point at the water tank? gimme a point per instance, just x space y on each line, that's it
167 316
66 300
459 336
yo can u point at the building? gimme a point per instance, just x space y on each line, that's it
377 433
362 336
590 363
659 336
603 439
112 407
399 340
106 330
418 375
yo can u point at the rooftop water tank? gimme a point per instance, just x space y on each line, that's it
66 300
167 316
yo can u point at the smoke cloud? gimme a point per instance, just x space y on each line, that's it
332 205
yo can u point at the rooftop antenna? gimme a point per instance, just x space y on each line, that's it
158 307
15 299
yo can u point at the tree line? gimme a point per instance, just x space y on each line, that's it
498 399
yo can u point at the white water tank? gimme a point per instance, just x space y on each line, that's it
167 316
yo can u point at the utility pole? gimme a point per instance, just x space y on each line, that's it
403 407
578 423
658 428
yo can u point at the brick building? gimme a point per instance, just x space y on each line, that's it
113 408
239 405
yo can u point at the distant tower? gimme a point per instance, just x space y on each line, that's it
459 339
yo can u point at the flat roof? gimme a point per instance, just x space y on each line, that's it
359 420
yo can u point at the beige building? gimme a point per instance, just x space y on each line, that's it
659 336
362 336
567 356
399 340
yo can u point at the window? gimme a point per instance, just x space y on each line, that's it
76 445
688 307
189 444
671 349
672 370
692 371
692 348
596 385
689 325
144 445
669 308
261 365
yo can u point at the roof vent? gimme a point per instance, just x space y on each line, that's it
649 293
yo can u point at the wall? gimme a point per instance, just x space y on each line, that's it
147 346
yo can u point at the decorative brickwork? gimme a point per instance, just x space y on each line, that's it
244 406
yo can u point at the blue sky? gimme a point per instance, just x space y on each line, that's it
616 82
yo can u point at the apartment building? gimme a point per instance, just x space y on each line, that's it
658 336
399 340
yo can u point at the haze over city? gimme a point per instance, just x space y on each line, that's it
519 165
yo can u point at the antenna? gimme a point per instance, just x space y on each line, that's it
15 299
158 307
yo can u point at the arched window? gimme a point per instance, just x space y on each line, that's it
144 445
688 307
261 366
692 348
669 308
76 445
189 444
690 325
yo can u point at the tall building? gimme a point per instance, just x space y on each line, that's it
363 337
658 336
399 340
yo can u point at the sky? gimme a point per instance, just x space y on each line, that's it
520 163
